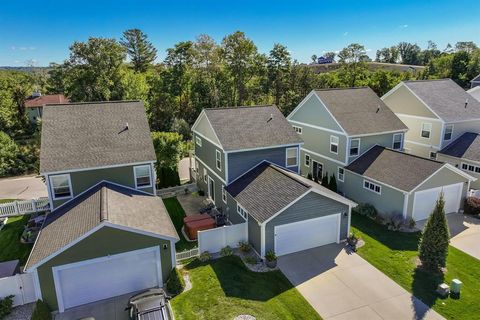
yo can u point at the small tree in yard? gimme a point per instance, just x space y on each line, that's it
325 180
332 184
433 248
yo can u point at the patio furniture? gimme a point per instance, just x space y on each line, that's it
207 208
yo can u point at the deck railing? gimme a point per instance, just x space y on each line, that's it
17 208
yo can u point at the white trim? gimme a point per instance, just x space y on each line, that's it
377 133
350 147
214 173
391 91
423 144
207 139
205 175
445 129
296 157
322 156
300 104
53 187
241 208
448 166
334 143
149 175
213 189
36 283
317 127
338 174
405 115
264 148
194 129
226 167
97 168
375 185
224 194
323 171
49 192
349 220
198 140
262 240
401 141
429 130
405 205
218 158
173 254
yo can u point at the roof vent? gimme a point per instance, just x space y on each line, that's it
271 118
466 103
378 109
125 128
36 94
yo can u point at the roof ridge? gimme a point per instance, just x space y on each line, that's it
92 102
103 203
347 88
407 154
285 172
426 80
240 107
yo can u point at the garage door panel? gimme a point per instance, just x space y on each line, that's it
424 201
306 234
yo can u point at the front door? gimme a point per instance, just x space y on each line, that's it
317 169
211 189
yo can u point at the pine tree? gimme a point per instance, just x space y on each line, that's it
433 247
141 51
332 184
325 180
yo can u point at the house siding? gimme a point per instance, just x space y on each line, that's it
104 242
457 162
312 205
329 167
205 129
367 142
318 141
460 128
415 142
254 234
202 185
402 100
207 154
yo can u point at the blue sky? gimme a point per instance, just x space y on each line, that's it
43 30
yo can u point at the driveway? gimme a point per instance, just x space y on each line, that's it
25 188
342 285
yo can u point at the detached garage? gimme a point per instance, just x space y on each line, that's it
107 242
287 213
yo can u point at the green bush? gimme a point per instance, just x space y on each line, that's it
41 311
175 282
324 181
226 251
251 260
205 256
366 209
270 255
244 246
332 184
168 177
472 206
6 305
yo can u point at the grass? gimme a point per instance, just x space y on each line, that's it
6 200
10 246
395 254
177 214
225 288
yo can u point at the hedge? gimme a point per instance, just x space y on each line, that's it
175 282
41 312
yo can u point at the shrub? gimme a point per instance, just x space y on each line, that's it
175 282
205 256
366 209
325 180
395 222
168 177
332 184
6 305
226 251
251 260
41 311
309 176
472 206
244 246
270 256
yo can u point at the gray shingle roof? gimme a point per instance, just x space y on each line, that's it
267 189
467 146
251 127
106 202
86 135
360 110
446 98
397 169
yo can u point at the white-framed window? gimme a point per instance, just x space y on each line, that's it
143 176
426 130
224 194
334 144
372 186
307 160
447 135
61 186
397 141
341 174
292 157
241 211
471 168
204 175
297 129
198 141
218 159
354 147
433 155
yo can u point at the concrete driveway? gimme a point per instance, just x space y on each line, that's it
342 285
24 188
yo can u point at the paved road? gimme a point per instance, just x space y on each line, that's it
343 286
28 187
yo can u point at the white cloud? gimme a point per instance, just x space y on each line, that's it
345 33
23 48
403 26
368 50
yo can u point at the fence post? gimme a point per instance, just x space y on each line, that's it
17 209
34 205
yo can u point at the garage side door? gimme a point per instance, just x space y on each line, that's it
106 277
425 200
306 234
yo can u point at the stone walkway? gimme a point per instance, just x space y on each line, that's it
191 202
21 312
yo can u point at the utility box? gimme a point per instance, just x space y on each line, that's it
443 289
456 286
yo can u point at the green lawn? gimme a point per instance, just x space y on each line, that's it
225 288
6 200
10 246
395 254
177 214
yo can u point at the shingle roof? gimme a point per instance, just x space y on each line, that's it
467 146
446 98
251 127
45 99
475 92
360 110
106 202
86 135
476 79
397 169
267 189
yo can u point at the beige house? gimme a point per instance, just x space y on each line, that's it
436 112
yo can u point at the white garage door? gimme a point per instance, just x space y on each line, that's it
424 201
306 234
106 277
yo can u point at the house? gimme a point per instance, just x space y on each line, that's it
108 234
339 125
35 103
475 82
352 134
85 143
247 162
475 92
436 113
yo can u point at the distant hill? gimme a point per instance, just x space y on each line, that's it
27 69
372 66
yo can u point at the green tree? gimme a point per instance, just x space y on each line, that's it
409 53
330 55
433 247
168 149
142 53
459 67
353 63
332 184
467 46
325 181
8 154
278 65
387 55
314 58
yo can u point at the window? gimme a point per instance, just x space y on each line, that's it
334 144
471 168
198 141
297 129
354 147
433 155
447 135
397 141
341 174
224 194
204 175
218 158
61 186
307 160
142 176
242 211
426 129
292 157
372 186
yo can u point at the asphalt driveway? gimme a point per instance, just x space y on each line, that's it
24 188
342 285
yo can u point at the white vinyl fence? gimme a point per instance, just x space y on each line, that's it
180 256
214 240
21 286
16 208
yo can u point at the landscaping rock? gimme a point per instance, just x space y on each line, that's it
244 317
21 312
